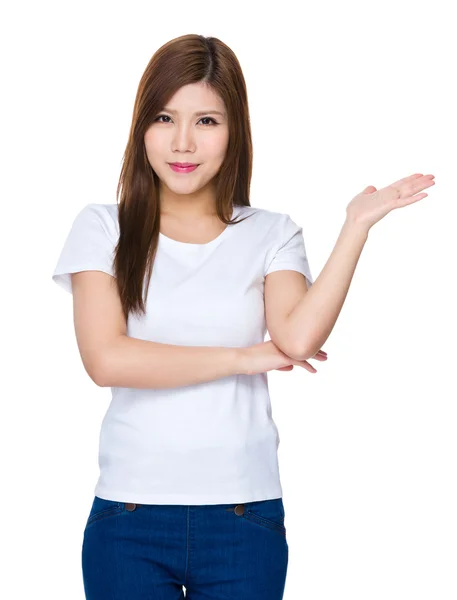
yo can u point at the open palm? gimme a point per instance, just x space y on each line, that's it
371 205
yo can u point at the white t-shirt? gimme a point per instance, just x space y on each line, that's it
211 443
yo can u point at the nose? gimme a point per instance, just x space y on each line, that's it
183 138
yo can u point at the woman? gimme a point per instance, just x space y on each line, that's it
174 288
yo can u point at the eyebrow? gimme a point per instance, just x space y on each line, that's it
199 113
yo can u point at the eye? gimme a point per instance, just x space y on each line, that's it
210 119
202 119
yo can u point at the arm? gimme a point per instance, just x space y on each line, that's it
114 359
283 291
312 319
131 362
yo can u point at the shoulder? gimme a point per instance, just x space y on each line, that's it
100 216
264 217
276 226
104 212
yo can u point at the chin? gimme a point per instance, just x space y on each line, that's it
183 188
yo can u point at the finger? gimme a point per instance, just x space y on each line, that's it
426 182
305 364
409 188
320 357
412 188
406 179
414 199
369 189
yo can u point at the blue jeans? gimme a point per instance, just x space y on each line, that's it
216 552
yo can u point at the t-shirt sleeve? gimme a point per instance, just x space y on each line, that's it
89 245
288 251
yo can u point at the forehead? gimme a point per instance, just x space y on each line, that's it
195 97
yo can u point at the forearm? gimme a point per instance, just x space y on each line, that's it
314 317
136 363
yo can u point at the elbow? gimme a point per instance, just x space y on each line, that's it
96 372
307 344
293 348
105 365
302 350
100 382
300 353
100 375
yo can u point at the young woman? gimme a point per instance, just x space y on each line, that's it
174 287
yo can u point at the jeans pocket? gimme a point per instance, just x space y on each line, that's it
102 509
266 513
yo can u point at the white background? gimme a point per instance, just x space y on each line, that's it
342 95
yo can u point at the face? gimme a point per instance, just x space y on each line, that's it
179 134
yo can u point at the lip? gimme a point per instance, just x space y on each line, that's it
183 167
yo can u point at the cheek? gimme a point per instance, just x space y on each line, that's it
153 142
154 148
217 146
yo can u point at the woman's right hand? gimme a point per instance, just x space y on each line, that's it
266 356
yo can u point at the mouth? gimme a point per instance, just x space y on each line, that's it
183 167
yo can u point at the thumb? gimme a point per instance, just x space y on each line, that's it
369 189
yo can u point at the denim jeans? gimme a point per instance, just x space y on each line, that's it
213 551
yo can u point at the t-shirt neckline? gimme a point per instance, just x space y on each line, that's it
191 246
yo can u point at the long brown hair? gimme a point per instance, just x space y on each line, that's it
184 60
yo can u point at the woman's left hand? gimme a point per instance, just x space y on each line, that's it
371 205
